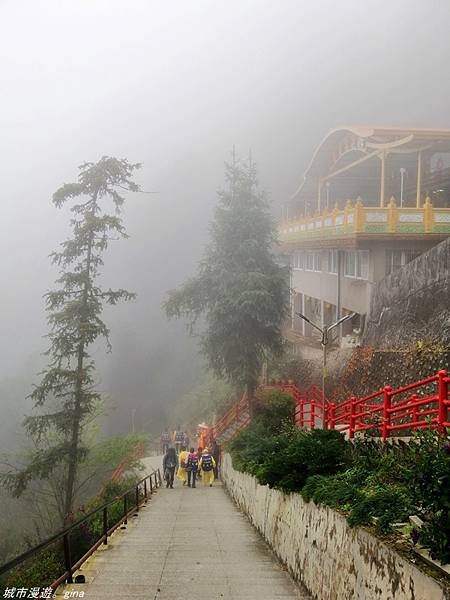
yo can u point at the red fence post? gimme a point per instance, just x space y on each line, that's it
442 399
332 415
312 408
415 412
387 398
351 429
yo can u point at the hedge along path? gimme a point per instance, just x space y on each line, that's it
186 544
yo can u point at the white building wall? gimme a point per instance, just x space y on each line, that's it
355 293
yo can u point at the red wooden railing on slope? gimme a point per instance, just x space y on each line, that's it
235 419
418 405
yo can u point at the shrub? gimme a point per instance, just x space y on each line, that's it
338 491
388 503
276 411
305 453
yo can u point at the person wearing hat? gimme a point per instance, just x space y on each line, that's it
207 465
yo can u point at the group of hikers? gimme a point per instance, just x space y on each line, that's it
178 437
191 465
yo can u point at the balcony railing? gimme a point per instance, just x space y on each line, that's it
359 219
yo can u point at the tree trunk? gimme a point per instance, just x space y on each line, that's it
75 436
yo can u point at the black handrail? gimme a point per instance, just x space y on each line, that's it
64 534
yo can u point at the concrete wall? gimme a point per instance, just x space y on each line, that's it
413 302
333 561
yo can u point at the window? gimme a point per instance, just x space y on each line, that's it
317 261
357 264
332 261
297 260
395 259
362 264
309 261
350 264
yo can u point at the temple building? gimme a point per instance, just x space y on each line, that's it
371 200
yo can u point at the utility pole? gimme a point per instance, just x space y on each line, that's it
325 339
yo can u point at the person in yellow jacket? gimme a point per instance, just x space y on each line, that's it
207 465
182 460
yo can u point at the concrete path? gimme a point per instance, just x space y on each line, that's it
187 544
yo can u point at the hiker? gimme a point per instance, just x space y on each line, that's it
186 439
207 464
182 457
199 454
165 440
202 434
170 462
216 456
192 467
178 439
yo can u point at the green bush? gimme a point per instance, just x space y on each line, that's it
387 503
38 571
276 411
305 453
338 491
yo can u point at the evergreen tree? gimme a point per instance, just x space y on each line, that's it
66 395
240 289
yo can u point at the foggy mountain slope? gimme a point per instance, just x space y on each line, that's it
176 86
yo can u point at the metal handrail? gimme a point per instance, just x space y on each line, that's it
64 534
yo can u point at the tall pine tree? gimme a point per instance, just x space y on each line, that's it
240 289
66 394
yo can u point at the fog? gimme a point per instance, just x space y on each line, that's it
175 85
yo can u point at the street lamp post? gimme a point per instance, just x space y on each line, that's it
402 185
324 341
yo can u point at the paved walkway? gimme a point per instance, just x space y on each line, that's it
187 544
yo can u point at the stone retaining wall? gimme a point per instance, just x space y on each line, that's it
413 302
332 560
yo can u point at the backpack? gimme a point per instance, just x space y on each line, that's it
192 462
207 463
171 462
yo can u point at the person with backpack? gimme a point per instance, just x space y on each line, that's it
165 440
199 454
192 467
178 439
207 464
182 457
170 463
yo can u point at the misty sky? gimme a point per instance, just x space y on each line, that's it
174 84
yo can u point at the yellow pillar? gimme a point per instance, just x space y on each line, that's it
359 215
428 215
392 215
383 177
419 178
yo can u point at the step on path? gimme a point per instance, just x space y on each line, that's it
186 544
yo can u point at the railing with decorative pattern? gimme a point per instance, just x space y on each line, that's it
386 412
359 219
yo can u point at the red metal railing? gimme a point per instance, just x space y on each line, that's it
235 419
390 411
